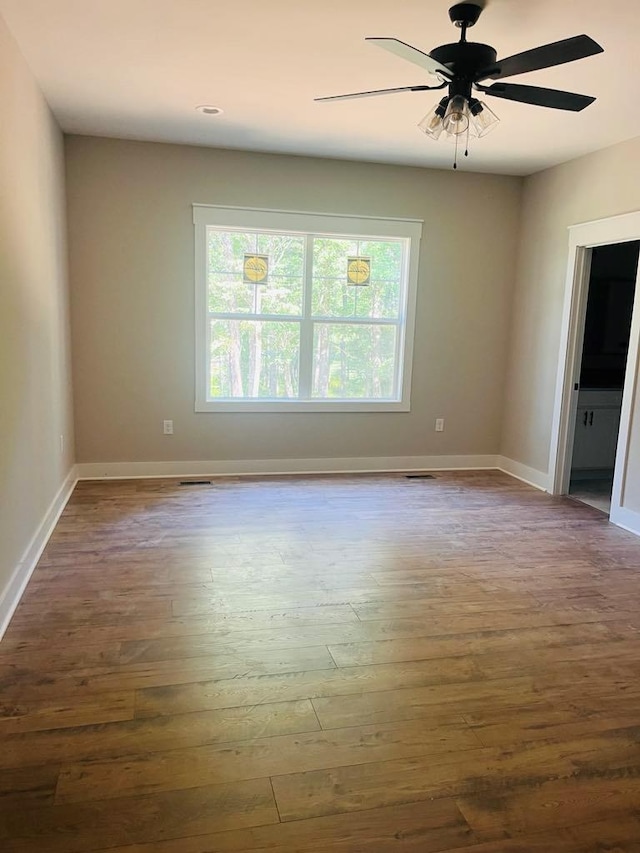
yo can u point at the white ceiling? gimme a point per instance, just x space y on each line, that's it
137 68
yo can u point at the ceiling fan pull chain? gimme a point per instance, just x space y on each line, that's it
455 156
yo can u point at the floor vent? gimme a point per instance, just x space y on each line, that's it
420 477
195 482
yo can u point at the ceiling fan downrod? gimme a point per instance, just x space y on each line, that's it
464 15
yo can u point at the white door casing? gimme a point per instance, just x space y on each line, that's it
583 238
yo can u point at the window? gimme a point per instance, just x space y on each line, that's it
303 312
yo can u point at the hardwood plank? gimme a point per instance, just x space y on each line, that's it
161 733
99 613
218 595
38 716
551 722
411 828
61 657
25 786
82 827
143 629
472 773
458 642
208 695
66 577
614 836
241 601
370 707
54 575
619 835
29 685
493 567
271 756
169 648
613 656
554 804
480 615
475 610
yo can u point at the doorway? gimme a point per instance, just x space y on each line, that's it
605 344
584 238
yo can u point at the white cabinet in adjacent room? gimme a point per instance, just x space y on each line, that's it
597 426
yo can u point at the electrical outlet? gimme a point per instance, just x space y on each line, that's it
439 424
168 427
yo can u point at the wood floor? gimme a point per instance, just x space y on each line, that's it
353 664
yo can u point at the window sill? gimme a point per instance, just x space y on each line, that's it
309 406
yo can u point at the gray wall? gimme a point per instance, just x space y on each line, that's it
132 282
597 186
35 386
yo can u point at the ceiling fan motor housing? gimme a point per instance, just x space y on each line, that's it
465 59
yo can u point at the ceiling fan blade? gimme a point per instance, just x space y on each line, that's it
554 98
545 56
412 54
379 92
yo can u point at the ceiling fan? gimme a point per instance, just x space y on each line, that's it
465 66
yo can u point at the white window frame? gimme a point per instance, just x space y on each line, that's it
316 224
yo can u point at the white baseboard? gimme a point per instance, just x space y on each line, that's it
12 593
249 467
530 476
626 518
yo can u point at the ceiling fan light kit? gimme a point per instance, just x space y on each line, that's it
453 117
463 66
